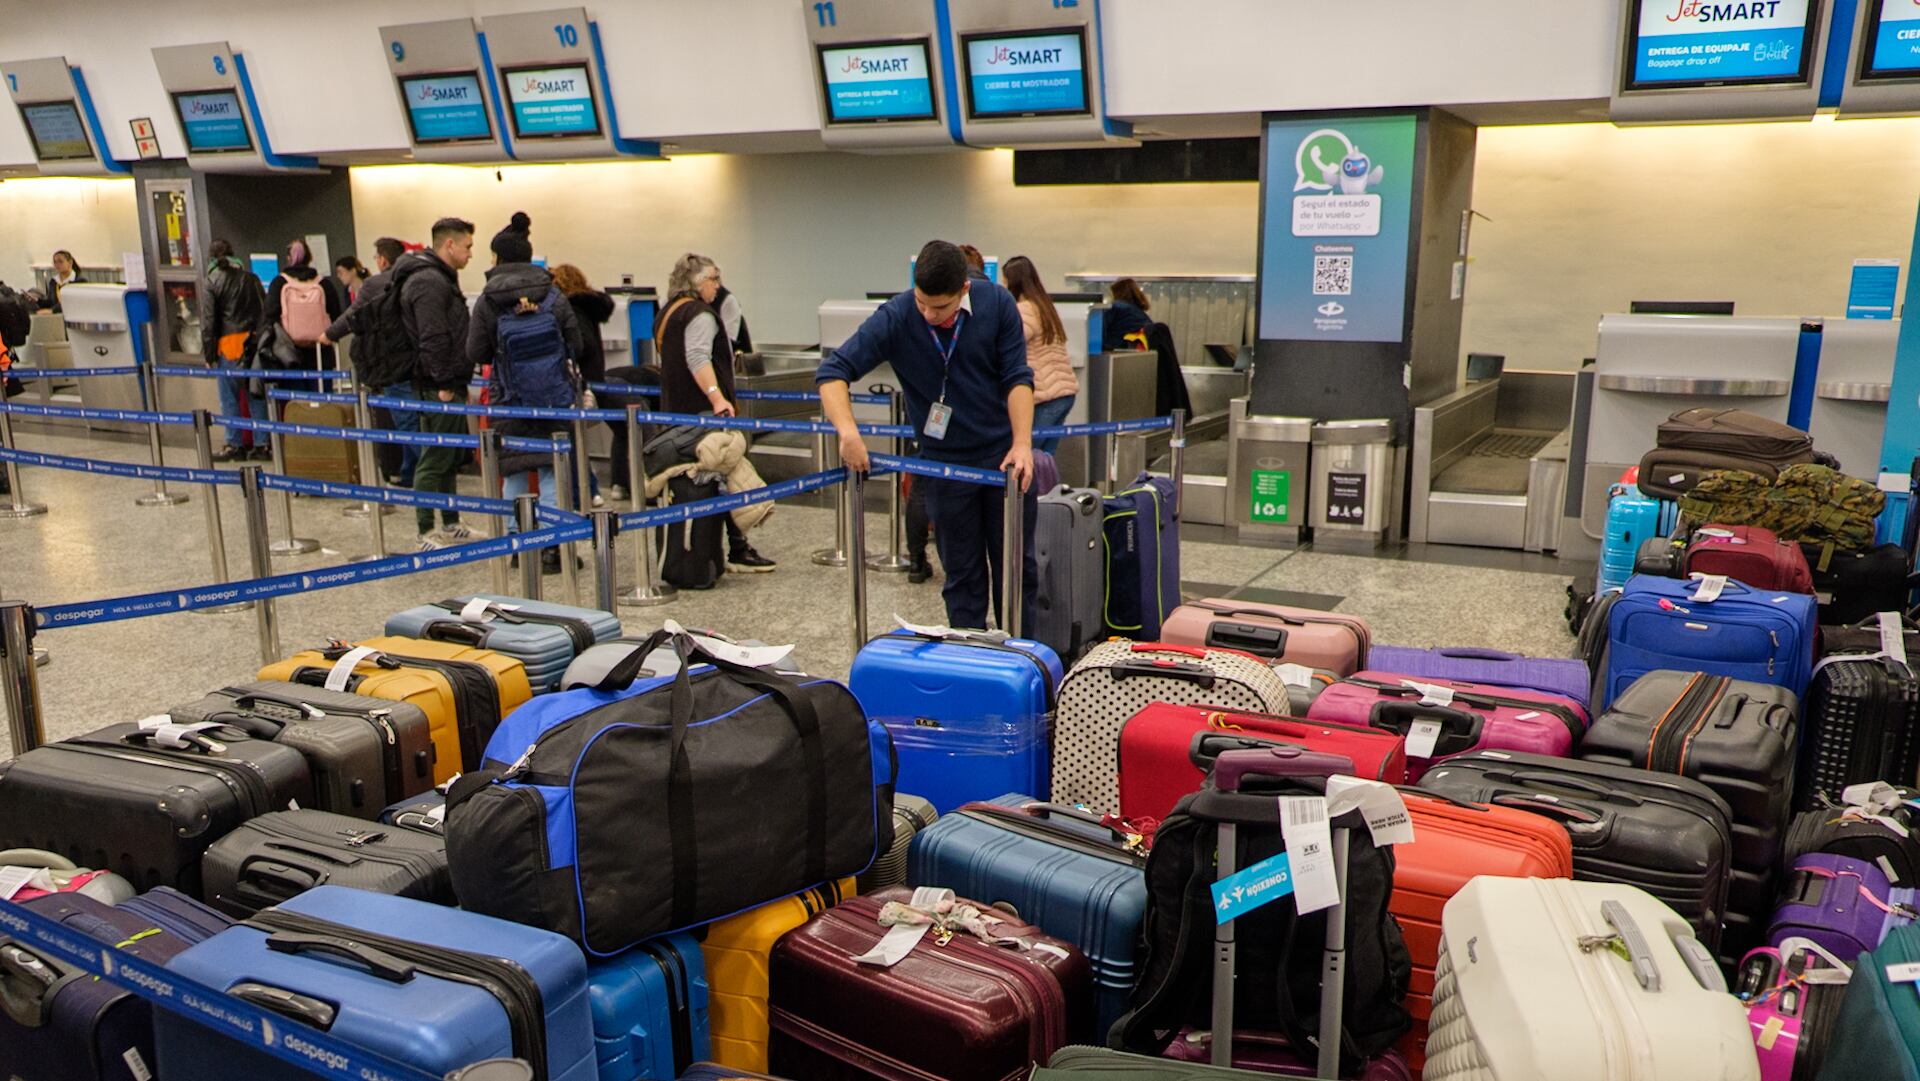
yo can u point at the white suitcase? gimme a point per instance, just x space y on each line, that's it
1119 678
1578 981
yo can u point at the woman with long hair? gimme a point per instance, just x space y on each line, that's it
1054 384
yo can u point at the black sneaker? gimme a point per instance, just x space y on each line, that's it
232 454
261 454
550 561
919 572
747 561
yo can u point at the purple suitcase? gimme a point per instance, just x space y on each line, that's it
1835 901
1272 1054
1562 676
177 914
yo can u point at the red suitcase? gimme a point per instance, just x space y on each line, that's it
1452 842
1468 716
965 1009
1275 632
1157 766
1749 554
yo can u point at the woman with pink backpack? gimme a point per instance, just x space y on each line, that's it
302 303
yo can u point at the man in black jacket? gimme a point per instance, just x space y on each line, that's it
382 358
434 312
230 316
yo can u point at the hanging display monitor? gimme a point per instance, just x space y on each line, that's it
446 108
1031 73
1891 44
1676 44
57 131
212 121
877 81
551 102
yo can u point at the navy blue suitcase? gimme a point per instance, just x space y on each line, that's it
426 813
177 914
1143 558
1759 636
1058 869
469 988
650 1009
971 715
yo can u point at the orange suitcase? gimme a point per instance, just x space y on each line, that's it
1452 842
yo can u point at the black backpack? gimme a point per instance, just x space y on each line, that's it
1277 981
388 355
16 317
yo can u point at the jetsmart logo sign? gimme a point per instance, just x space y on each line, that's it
886 65
1008 57
203 107
542 86
431 93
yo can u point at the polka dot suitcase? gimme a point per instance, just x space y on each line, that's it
1118 679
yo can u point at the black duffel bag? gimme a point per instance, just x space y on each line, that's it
616 813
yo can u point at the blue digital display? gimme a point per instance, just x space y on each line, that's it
1893 40
1042 73
1692 43
446 108
877 81
554 102
213 122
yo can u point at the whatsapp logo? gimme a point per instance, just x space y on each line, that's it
1319 155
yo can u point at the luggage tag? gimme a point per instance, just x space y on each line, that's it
939 415
1294 675
14 879
750 656
1252 887
1431 694
1893 639
342 672
1379 803
1309 837
900 939
1709 589
480 609
1422 737
174 736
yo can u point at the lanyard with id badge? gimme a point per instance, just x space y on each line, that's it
940 414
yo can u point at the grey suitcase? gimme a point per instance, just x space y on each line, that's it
364 753
911 814
1066 544
279 856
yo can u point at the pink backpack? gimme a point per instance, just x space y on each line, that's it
303 310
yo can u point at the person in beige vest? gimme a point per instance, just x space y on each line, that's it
1054 384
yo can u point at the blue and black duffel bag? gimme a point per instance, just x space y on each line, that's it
643 806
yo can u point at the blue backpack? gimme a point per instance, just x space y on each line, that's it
530 365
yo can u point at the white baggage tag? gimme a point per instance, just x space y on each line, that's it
1382 807
900 940
1421 737
480 609
1904 973
175 735
1528 715
750 656
1677 478
1893 638
1871 796
1431 694
342 673
1886 868
1709 589
927 630
1303 823
1726 533
14 879
136 1065
1294 675
148 724
435 815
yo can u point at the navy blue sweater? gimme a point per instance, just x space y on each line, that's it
989 360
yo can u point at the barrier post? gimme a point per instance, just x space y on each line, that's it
19 507
39 652
563 481
1177 447
490 487
829 455
1013 556
895 560
855 518
526 513
150 388
26 718
606 526
646 593
369 475
253 496
289 545
216 533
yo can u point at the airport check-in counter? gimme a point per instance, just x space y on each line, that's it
1648 367
100 334
1849 415
1489 463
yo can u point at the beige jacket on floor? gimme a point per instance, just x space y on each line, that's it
723 453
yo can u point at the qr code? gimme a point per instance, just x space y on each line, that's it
1332 275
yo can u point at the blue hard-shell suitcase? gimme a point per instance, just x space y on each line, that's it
1143 558
970 714
1631 518
425 1020
545 637
177 914
1058 869
1764 637
650 1009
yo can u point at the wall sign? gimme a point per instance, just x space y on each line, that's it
446 108
877 81
1876 283
1271 496
1339 203
1347 499
213 122
1030 74
551 102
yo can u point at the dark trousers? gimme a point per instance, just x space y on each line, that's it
968 530
439 467
917 520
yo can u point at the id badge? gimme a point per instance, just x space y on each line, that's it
938 416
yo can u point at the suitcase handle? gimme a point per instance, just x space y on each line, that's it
253 725
379 963
28 983
1233 767
1475 653
1230 610
36 857
249 699
452 630
1191 651
1247 637
1192 673
302 1008
1533 804
1644 967
1045 813
1398 716
191 741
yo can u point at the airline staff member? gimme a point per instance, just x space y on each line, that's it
960 352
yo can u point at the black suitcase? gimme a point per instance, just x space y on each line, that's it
1593 641
279 856
365 753
1737 738
1862 716
693 554
115 800
1889 840
1852 586
1668 835
1660 557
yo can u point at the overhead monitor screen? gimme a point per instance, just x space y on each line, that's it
877 81
57 131
1697 43
446 108
551 103
1035 73
1892 40
213 122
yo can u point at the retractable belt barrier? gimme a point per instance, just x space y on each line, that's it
119 469
71 373
76 412
307 1048
637 390
284 374
383 435
686 512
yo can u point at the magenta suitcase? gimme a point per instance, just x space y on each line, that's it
1469 716
1555 675
1793 997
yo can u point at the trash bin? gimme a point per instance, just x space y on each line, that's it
1355 490
1267 479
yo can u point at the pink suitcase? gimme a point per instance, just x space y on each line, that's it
1280 634
1442 718
1792 994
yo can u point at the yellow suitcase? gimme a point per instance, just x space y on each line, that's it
736 952
427 689
486 694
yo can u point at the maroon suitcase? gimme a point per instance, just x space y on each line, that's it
965 1009
1749 554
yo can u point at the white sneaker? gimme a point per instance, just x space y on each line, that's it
618 492
458 532
430 542
599 501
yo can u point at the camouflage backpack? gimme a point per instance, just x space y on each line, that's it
1804 503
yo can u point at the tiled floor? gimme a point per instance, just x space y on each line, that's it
95 543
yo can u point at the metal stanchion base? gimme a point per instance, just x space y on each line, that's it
359 510
295 546
647 596
889 563
223 609
161 499
23 510
827 557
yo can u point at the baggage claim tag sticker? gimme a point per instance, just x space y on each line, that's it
1303 822
1431 694
1893 638
342 672
1294 675
1249 888
1379 803
1422 736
